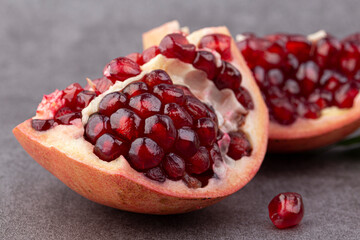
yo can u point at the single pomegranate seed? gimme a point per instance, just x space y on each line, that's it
239 145
353 38
211 114
191 182
349 56
299 46
109 147
187 142
178 114
345 95
196 108
291 87
126 123
174 166
308 76
65 116
121 69
283 111
205 61
218 42
322 98
200 162
187 91
291 63
144 154
169 94
111 103
102 85
275 77
145 104
150 53
274 92
176 45
156 174
96 126
272 56
136 57
84 98
215 154
252 49
157 77
161 129
259 75
286 210
206 129
331 80
327 52
70 94
42 124
135 88
228 77
311 111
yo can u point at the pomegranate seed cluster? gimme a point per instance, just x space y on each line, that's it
299 78
161 129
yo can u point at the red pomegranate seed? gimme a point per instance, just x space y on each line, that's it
345 95
109 147
353 38
239 145
206 129
121 69
252 49
161 129
283 111
308 76
150 53
331 80
112 102
191 182
215 154
205 61
102 85
272 56
349 56
84 98
145 104
286 210
321 98
327 51
187 142
259 75
291 87
178 114
275 77
187 91
195 107
176 45
42 124
299 46
136 57
126 123
157 77
228 77
156 174
70 94
135 88
244 97
291 63
144 154
200 162
174 166
218 42
65 116
169 94
96 126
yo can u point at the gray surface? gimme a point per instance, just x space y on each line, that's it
47 44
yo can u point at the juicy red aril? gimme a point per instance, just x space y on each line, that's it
65 115
126 123
299 47
145 153
218 42
275 77
156 174
239 145
169 94
174 166
109 147
178 114
228 77
308 76
42 124
101 85
195 107
215 154
112 102
331 80
135 88
156 77
187 91
272 56
345 95
121 69
244 97
291 87
70 94
349 56
282 110
136 57
84 98
205 61
200 162
176 45
150 53
206 130
187 142
145 104
161 129
96 126
286 210
327 51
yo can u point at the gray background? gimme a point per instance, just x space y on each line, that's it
49 44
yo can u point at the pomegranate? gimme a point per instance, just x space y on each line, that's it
155 134
310 85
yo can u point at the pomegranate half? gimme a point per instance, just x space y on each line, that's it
310 85
156 134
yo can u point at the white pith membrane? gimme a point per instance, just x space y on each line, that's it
331 118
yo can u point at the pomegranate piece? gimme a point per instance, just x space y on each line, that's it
239 145
121 69
126 123
135 88
187 142
205 61
228 77
176 45
96 126
156 174
161 129
42 124
286 210
218 42
145 104
150 53
112 102
206 130
109 147
84 98
169 94
144 154
174 166
156 77
179 115
200 162
70 94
